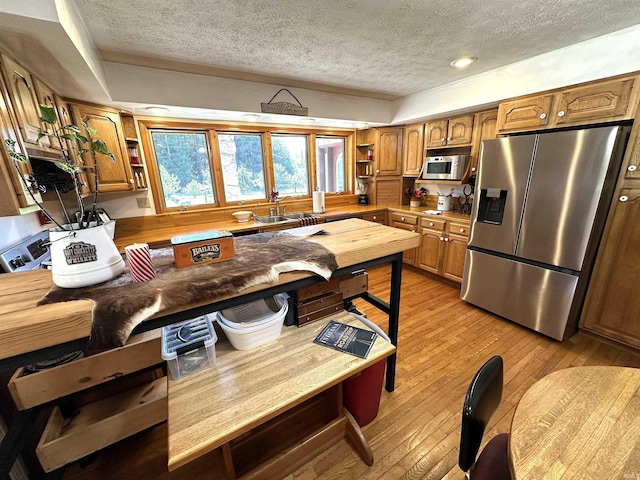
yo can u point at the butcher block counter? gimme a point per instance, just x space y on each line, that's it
25 327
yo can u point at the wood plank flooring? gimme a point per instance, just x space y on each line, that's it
442 343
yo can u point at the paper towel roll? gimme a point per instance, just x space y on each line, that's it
318 202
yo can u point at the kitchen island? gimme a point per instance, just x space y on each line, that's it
30 333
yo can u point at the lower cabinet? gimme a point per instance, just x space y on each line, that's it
377 216
612 304
443 247
406 222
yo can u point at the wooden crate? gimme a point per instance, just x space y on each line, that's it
99 424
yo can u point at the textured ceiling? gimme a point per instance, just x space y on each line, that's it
383 48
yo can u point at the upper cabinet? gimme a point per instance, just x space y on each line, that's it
604 101
113 176
16 191
46 96
25 103
389 151
484 128
453 132
413 150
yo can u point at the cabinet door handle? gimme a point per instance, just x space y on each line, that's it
402 218
131 180
632 168
561 113
543 115
462 230
623 198
442 239
473 169
448 139
377 171
442 139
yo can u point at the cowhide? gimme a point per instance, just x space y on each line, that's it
120 304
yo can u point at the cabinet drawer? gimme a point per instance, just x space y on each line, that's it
431 223
458 228
380 217
406 218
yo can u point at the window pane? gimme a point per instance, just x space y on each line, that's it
183 162
330 164
290 164
242 167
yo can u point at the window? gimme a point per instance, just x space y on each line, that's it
242 166
183 164
290 165
330 166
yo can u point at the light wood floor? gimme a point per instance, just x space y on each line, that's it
443 341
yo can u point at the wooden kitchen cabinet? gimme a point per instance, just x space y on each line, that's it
387 190
408 222
16 199
46 96
22 97
453 132
379 216
443 247
484 128
413 151
612 305
113 176
388 161
594 102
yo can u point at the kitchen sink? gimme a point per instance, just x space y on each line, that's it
287 217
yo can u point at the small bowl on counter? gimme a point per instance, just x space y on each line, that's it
242 216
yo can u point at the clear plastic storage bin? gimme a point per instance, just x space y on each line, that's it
189 346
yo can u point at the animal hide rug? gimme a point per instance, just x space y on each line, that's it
120 304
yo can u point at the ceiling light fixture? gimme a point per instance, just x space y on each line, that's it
156 109
463 62
250 116
307 120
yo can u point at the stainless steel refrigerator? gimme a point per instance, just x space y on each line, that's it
539 209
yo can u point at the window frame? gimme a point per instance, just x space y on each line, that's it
212 129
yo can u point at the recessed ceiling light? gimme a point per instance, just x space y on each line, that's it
463 62
307 120
157 109
250 116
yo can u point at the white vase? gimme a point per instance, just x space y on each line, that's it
80 258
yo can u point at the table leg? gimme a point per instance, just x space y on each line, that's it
394 316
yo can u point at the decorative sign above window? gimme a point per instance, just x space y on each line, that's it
284 108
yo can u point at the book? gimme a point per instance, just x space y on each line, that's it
346 338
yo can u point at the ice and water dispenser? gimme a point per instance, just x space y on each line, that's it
491 205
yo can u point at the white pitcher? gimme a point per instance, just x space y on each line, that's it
80 258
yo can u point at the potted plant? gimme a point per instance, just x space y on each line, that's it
415 196
82 252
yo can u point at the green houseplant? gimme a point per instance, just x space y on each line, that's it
86 141
83 252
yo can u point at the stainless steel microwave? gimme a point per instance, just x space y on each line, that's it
451 167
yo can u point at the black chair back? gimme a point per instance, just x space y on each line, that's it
482 400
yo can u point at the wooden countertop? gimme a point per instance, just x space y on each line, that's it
246 388
160 234
25 327
581 422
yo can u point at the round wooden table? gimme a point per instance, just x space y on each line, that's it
582 422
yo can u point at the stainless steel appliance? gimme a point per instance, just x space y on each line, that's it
28 254
538 214
451 167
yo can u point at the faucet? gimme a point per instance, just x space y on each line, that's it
274 198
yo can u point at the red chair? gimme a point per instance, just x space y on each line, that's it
482 400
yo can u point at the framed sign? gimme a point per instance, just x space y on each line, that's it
284 108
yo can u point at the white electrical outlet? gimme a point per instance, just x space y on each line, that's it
143 202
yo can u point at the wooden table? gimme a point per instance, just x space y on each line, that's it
257 391
30 333
582 422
